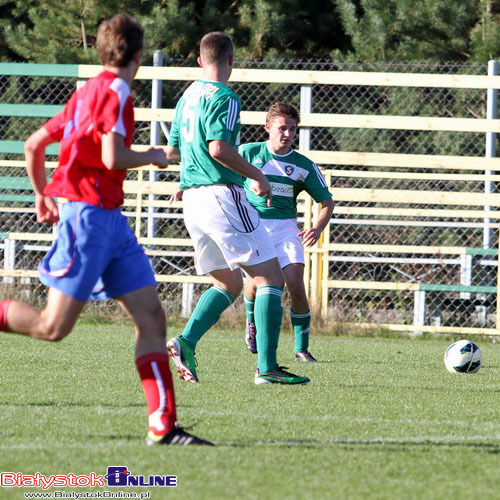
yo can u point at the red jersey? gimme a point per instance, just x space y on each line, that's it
102 105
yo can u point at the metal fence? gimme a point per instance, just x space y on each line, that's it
370 257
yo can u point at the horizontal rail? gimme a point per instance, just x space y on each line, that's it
404 160
315 77
388 160
407 196
30 110
351 121
425 176
29 69
410 249
425 287
306 77
423 328
415 212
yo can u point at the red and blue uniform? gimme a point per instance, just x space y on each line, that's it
96 254
102 105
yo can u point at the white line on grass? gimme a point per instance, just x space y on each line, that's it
363 420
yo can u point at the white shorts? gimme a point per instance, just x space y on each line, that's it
226 230
283 233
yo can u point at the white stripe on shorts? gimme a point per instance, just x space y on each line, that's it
242 210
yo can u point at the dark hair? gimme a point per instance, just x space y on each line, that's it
282 109
216 47
119 39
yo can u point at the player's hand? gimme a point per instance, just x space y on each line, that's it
177 196
309 236
46 210
262 187
158 157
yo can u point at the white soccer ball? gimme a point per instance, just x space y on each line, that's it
463 356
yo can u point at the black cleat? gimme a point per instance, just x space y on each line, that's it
177 436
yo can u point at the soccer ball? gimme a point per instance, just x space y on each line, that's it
463 356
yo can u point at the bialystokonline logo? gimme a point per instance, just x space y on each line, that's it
117 476
121 476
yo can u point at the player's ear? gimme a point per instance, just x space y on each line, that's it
138 57
199 61
230 59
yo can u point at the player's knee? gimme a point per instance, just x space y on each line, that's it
235 290
56 333
152 318
296 288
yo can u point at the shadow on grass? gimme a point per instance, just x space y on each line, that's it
393 445
437 388
72 404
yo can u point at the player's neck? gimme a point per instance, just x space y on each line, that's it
280 151
217 73
127 73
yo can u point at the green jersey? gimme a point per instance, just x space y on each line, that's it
288 175
207 111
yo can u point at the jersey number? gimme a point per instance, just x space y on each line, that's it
187 129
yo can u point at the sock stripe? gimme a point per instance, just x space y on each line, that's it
226 294
155 418
248 301
295 315
269 290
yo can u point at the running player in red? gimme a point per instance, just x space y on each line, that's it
96 254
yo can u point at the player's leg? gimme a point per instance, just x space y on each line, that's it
145 309
250 328
300 313
52 323
268 314
268 281
211 304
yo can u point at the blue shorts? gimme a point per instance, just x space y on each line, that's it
95 255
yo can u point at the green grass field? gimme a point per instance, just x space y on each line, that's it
382 418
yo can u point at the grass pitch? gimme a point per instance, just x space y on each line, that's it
382 418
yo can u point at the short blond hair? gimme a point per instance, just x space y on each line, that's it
282 109
216 47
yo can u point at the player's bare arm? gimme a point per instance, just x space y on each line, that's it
173 154
226 155
117 156
311 236
34 150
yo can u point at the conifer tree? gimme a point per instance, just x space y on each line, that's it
409 30
54 32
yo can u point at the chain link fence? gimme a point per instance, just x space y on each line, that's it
345 305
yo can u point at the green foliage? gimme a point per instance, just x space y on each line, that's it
43 31
405 30
295 28
485 36
361 30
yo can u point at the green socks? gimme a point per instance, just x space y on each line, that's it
268 313
249 307
211 304
301 324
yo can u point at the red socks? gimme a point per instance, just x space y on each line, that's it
156 378
4 306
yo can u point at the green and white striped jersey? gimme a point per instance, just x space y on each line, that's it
289 175
207 111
